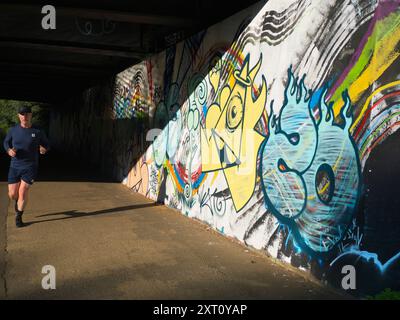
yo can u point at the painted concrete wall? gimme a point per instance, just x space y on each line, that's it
278 128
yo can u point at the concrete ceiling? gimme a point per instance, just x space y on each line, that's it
92 41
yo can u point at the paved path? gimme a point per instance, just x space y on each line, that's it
109 243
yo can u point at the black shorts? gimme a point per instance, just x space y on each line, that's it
27 174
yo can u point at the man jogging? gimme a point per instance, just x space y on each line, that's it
23 144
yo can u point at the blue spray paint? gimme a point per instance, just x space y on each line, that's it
310 169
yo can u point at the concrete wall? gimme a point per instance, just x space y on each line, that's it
278 128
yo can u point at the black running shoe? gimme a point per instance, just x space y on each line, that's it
18 220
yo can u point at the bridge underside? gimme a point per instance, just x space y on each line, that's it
92 41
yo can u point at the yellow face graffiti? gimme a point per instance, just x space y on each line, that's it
228 140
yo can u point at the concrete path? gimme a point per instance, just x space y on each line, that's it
107 242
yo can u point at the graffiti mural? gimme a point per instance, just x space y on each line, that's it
310 169
138 177
278 126
229 141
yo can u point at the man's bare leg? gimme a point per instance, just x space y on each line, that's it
23 195
19 193
13 191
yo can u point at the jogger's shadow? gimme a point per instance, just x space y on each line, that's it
71 214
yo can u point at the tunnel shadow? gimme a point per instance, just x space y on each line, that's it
72 214
4 164
56 166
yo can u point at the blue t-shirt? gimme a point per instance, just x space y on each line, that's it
26 141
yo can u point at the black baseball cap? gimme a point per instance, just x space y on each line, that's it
24 109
